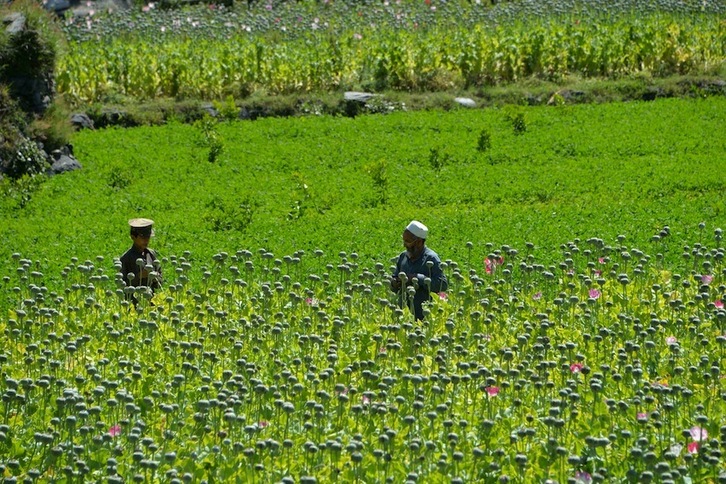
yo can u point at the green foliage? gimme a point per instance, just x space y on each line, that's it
484 143
400 56
22 157
303 364
438 159
224 215
517 118
378 171
118 178
227 109
53 128
211 138
302 198
580 171
34 51
17 193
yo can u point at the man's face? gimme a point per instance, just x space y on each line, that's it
141 242
413 244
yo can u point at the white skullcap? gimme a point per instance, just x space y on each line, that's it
418 229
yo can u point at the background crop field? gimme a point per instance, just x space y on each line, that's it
351 184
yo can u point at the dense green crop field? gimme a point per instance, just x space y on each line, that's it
350 184
591 348
211 52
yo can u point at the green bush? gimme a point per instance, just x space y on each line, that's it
22 156
33 51
54 128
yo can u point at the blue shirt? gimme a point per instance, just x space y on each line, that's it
419 268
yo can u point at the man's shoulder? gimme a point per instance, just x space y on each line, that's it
430 253
129 254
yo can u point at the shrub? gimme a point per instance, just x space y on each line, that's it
21 156
54 128
34 50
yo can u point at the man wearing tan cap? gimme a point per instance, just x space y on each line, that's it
139 265
419 267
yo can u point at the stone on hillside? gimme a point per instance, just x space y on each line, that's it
466 102
210 109
81 121
57 6
63 163
567 96
15 23
362 97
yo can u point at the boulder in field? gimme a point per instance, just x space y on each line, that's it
465 101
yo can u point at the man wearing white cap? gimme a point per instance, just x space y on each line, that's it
139 265
419 267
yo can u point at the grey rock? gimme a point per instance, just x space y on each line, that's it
63 164
362 97
533 100
57 6
81 121
209 109
465 101
14 22
651 93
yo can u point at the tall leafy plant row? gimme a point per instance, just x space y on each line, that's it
391 59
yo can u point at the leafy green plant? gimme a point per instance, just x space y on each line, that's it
211 138
484 142
54 127
227 109
227 215
438 159
22 157
17 193
378 171
462 46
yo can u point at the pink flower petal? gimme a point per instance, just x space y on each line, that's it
698 434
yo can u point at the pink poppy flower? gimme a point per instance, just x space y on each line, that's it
601 260
537 296
490 265
718 304
706 279
594 293
263 423
576 367
597 273
114 430
443 296
582 477
693 448
698 434
492 391
642 416
671 340
366 400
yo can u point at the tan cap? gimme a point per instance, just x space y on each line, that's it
142 225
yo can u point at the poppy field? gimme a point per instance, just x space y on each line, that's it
582 337
604 366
